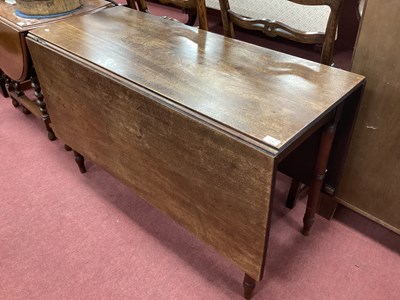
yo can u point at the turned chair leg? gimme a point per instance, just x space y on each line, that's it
293 192
80 161
248 286
192 16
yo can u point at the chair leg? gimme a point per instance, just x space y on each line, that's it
248 287
192 16
293 192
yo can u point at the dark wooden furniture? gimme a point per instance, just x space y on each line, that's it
15 61
3 84
188 6
273 28
193 8
137 4
196 123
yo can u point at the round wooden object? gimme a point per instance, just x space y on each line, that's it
47 7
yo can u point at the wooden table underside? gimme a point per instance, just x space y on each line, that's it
14 56
144 113
15 62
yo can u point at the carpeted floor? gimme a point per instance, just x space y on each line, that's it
64 235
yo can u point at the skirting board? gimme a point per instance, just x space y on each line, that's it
367 215
328 205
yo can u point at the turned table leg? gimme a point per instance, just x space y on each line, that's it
325 147
19 92
248 286
42 106
80 161
10 87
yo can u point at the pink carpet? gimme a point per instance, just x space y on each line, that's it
64 235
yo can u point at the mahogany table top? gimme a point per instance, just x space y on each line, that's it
263 96
196 123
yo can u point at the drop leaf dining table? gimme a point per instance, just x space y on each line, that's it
195 123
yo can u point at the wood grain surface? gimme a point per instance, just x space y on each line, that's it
254 91
180 115
47 7
213 185
371 179
13 51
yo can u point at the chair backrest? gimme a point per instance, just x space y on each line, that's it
274 28
193 7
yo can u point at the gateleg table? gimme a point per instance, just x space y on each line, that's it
195 123
16 70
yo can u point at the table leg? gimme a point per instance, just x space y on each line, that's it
19 92
42 106
248 286
10 87
80 161
3 85
325 147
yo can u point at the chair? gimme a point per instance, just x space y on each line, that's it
193 8
274 28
